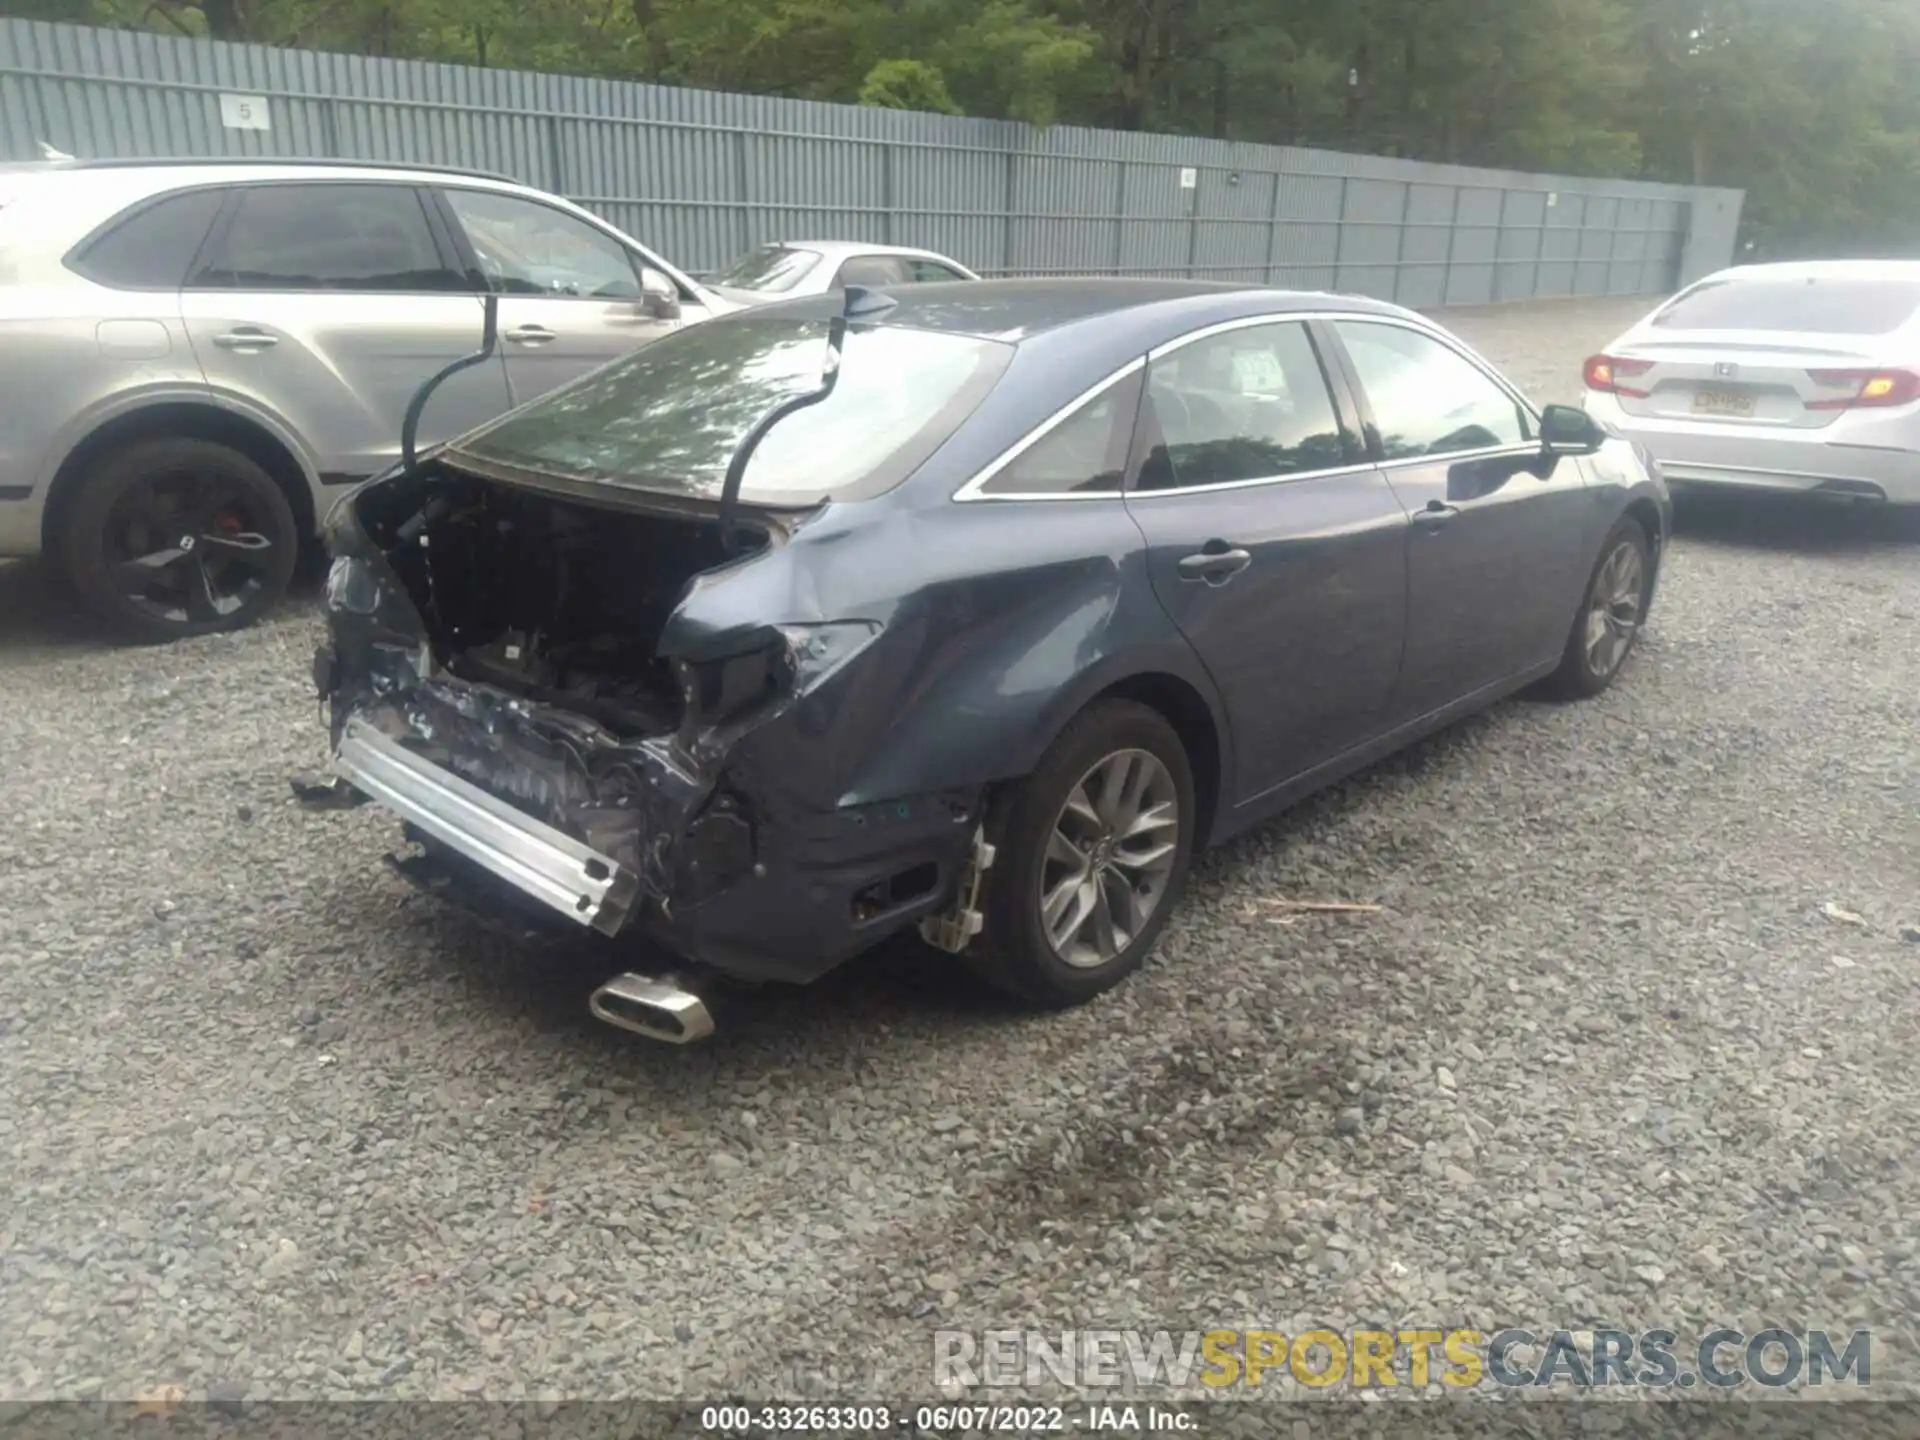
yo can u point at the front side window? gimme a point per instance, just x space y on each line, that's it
873 271
668 417
1249 404
1086 453
328 237
774 269
931 272
1427 398
526 248
151 248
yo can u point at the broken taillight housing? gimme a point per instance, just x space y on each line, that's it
1605 372
791 660
352 586
1868 389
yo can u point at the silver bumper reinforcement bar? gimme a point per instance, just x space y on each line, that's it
534 858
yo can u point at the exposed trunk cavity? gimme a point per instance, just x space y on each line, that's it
555 600
512 639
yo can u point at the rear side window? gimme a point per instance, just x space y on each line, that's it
1086 453
328 237
1804 306
1249 404
151 246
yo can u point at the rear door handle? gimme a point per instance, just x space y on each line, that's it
246 338
530 335
1215 566
1436 514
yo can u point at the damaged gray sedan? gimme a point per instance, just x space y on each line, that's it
972 608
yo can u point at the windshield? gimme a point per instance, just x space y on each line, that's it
772 268
1803 306
668 417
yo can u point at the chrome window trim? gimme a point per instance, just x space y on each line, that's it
971 490
1454 457
1291 477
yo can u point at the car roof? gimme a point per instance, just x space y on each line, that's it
85 193
832 248
1823 270
1020 309
251 165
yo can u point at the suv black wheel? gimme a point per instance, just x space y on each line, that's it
1612 609
175 537
1091 855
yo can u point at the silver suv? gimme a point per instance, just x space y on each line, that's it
196 357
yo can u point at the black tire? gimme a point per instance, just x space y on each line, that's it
1585 672
1013 952
240 540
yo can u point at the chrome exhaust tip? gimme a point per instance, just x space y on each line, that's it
654 1007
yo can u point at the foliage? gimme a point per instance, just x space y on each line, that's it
1809 107
907 85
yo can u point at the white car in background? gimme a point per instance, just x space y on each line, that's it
786 269
1799 377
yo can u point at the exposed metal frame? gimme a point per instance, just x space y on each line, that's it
587 887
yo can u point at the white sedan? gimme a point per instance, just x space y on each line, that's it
1797 377
786 269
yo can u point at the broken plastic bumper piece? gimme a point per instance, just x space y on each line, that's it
536 859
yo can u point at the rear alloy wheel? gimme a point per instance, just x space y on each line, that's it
178 537
1092 852
1611 614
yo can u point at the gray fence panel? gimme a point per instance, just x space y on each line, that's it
702 175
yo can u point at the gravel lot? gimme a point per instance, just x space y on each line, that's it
273 1127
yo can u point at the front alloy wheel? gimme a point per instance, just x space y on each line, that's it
1613 609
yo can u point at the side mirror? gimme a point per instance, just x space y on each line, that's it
1569 430
659 297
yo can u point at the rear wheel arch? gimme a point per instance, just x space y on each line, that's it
1648 514
1181 703
182 420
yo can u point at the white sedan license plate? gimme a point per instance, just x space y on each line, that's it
1734 404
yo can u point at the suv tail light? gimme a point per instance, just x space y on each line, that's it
1605 372
1872 389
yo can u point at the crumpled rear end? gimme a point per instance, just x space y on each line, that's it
493 678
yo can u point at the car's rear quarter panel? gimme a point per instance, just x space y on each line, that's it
1001 621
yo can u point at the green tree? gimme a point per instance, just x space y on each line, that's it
907 85
1811 108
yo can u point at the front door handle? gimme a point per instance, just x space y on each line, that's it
1436 514
530 335
1216 564
246 338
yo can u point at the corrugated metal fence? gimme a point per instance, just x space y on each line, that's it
703 176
